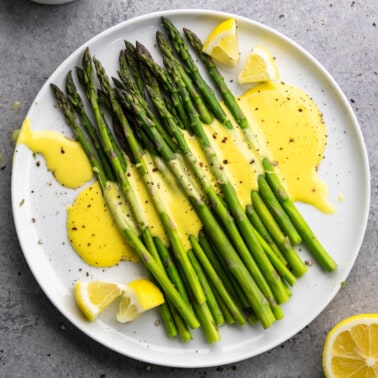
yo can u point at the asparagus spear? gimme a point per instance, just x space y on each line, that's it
228 97
141 164
263 231
310 240
256 298
299 268
211 301
131 60
277 211
217 281
182 50
217 204
235 207
145 58
77 102
175 277
122 221
166 50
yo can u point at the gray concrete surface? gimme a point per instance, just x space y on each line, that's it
35 339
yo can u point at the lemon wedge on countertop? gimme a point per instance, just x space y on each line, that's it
351 348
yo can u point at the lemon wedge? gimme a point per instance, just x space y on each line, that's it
138 296
222 43
258 67
351 348
93 297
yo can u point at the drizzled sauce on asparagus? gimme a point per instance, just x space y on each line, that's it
288 129
294 135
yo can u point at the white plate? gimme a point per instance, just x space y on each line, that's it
36 195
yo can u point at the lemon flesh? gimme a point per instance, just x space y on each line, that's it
258 67
222 43
138 296
93 297
351 348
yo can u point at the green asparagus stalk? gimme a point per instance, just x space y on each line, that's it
145 58
266 277
228 97
141 164
219 264
278 212
125 74
131 60
217 281
124 224
256 298
283 242
175 277
263 231
226 312
204 315
210 297
77 102
200 106
210 329
283 271
182 50
114 146
310 240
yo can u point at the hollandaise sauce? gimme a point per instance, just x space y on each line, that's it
64 157
290 130
92 231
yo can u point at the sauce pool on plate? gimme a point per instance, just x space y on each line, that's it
64 157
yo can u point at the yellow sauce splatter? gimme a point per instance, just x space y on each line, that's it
64 157
176 203
94 235
92 231
294 135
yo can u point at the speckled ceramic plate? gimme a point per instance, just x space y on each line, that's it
39 205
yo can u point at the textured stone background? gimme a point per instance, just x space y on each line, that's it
35 339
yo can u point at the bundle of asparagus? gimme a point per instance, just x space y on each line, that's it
242 263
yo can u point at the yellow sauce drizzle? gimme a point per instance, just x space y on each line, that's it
64 157
294 134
